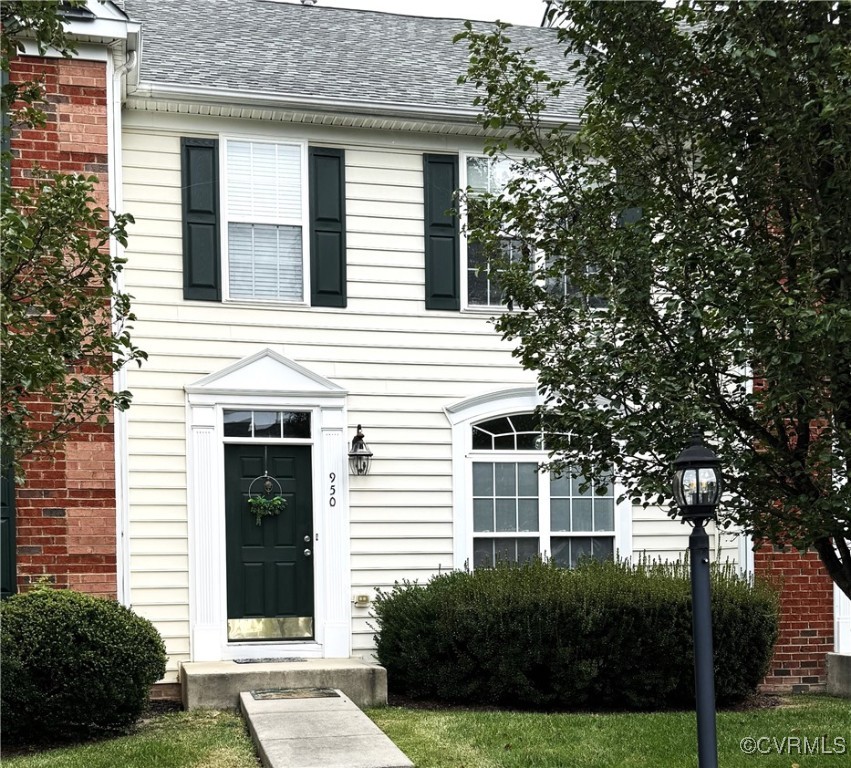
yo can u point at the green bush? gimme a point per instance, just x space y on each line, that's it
73 665
601 636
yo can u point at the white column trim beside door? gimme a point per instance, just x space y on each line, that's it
336 573
206 535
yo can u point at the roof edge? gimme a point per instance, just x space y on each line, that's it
317 103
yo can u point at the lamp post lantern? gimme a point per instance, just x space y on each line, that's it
697 490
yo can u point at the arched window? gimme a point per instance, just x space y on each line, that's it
508 508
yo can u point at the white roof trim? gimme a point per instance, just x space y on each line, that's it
224 96
338 119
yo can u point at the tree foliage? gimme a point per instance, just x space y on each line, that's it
705 206
65 328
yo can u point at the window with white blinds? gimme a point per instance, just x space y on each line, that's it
266 220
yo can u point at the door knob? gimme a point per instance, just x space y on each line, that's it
307 553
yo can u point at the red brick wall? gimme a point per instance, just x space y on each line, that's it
65 512
806 619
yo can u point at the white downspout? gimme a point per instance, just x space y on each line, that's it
116 204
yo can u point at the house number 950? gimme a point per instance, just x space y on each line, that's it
332 491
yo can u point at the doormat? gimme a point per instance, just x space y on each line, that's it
294 693
266 661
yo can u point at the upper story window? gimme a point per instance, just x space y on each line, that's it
266 213
486 175
490 175
263 221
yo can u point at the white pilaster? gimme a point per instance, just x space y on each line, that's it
206 527
335 513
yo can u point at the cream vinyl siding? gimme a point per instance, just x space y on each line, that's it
657 537
400 364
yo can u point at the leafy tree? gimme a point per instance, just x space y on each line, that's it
65 327
697 241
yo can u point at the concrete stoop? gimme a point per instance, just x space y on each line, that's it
324 729
217 684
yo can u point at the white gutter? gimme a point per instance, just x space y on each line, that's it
116 205
199 94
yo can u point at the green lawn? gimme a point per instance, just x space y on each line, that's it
456 739
200 739
459 739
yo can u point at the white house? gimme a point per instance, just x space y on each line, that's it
294 275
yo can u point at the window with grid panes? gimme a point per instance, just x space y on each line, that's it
266 424
266 220
489 175
520 512
486 175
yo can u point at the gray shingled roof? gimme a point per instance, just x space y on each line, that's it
320 52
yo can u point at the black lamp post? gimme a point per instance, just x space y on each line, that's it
697 490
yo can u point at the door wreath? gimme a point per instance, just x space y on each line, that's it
265 504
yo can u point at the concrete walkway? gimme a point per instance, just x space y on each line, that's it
315 728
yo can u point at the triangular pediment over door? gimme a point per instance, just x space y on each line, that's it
265 372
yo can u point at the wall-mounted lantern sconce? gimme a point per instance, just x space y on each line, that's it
360 457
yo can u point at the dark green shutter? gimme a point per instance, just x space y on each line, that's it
629 192
327 227
8 580
442 245
202 269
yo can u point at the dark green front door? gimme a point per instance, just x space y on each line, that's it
269 566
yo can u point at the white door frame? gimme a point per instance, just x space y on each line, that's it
267 380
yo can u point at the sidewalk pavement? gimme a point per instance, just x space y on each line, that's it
316 728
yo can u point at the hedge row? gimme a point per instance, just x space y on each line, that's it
601 636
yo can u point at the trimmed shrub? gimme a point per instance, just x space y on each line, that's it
73 665
601 636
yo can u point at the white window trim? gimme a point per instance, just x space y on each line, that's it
462 416
225 218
